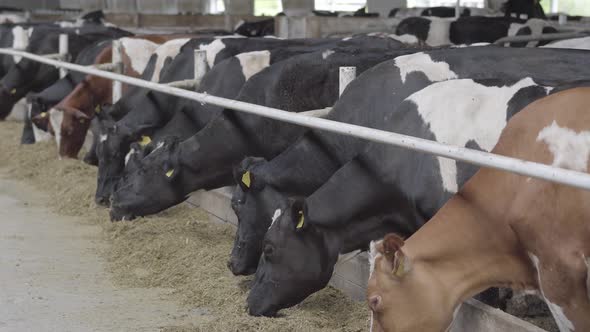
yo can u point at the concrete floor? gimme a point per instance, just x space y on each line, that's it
53 278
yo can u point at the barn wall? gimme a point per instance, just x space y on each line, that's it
31 4
383 7
239 7
297 7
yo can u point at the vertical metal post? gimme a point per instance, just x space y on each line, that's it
347 75
458 9
200 65
64 52
117 59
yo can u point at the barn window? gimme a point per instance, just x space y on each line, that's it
570 7
340 5
446 3
215 7
267 7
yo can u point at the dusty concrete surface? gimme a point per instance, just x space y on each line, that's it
52 276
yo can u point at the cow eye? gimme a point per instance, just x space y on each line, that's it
268 250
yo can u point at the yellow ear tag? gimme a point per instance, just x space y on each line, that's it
43 114
13 91
145 140
169 173
97 109
82 120
399 272
246 179
301 220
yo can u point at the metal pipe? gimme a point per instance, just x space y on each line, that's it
485 159
105 66
200 66
184 84
117 58
548 36
63 52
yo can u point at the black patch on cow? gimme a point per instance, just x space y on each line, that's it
415 26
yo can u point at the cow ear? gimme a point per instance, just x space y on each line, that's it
298 215
392 250
244 176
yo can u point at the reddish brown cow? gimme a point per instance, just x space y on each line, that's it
500 230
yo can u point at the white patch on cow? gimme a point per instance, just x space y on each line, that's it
138 51
422 62
373 254
56 118
570 149
128 155
563 323
575 43
326 54
212 50
405 38
536 25
253 62
88 140
513 29
68 24
275 217
20 40
440 31
103 138
470 45
169 49
478 110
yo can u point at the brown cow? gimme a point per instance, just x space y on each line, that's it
500 230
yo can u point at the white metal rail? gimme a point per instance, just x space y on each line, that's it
485 159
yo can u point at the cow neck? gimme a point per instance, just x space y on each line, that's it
466 252
357 234
215 148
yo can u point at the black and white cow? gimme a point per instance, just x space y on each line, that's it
256 29
469 30
525 9
156 109
205 161
26 75
294 174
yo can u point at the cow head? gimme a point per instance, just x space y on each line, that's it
151 186
297 260
402 295
112 146
39 113
256 206
73 131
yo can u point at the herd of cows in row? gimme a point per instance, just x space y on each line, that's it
303 197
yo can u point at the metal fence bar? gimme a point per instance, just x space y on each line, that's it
485 159
63 52
547 36
117 59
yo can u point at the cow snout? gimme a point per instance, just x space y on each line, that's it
240 268
102 201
